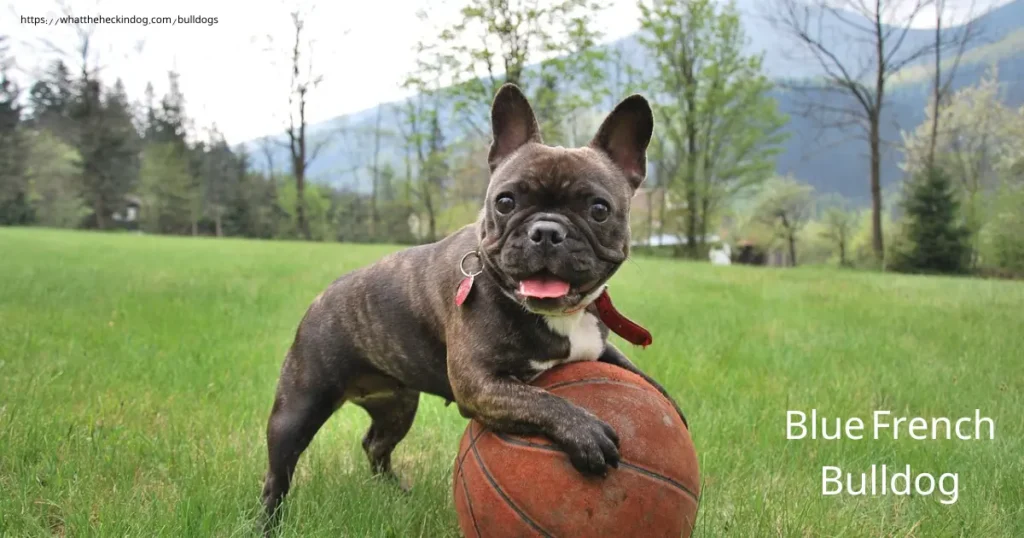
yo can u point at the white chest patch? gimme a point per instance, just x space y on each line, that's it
584 336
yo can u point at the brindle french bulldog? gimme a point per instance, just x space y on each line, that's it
474 317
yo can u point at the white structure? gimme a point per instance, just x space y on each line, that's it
721 256
668 240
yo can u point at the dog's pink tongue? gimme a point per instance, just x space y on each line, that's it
543 288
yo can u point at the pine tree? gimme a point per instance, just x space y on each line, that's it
172 169
149 123
934 239
50 99
14 203
123 141
107 142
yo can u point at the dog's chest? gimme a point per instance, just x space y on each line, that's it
584 335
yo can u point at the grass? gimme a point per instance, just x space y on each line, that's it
136 374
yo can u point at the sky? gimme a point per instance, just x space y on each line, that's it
234 71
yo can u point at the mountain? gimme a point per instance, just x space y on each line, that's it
833 161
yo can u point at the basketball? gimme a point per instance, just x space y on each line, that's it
519 486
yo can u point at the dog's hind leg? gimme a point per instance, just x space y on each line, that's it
301 406
392 412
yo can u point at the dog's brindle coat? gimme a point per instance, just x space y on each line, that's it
381 335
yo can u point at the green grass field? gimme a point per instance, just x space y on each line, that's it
136 375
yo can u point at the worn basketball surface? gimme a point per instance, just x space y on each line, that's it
518 486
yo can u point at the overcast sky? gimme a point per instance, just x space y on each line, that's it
363 49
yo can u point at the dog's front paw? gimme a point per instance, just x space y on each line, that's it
592 445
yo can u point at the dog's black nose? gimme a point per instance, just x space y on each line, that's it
547 231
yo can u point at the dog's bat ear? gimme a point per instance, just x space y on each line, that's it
624 136
513 124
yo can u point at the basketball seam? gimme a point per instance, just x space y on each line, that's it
469 503
633 466
472 442
610 382
589 381
494 484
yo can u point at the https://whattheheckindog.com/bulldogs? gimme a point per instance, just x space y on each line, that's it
476 316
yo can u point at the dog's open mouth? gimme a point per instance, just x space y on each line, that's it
543 287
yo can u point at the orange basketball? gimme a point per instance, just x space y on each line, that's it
507 485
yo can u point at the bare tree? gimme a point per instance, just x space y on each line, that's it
420 130
968 32
375 184
853 89
303 147
302 153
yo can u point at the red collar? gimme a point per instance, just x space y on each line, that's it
620 324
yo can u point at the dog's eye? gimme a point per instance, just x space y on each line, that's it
599 211
505 204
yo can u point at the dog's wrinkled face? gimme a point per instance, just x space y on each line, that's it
555 224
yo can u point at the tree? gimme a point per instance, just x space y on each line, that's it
851 89
1004 234
426 152
839 224
302 151
941 88
172 175
934 240
54 172
50 100
375 174
14 203
167 189
87 116
317 204
785 205
495 41
121 145
980 141
719 129
169 124
219 178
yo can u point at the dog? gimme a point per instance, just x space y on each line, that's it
476 316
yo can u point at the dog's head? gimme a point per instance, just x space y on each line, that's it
555 224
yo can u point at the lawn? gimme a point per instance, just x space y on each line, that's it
136 376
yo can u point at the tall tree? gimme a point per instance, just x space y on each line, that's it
941 86
851 89
169 184
376 174
981 140
50 100
121 146
87 116
302 150
108 145
420 128
720 130
14 191
54 175
219 178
